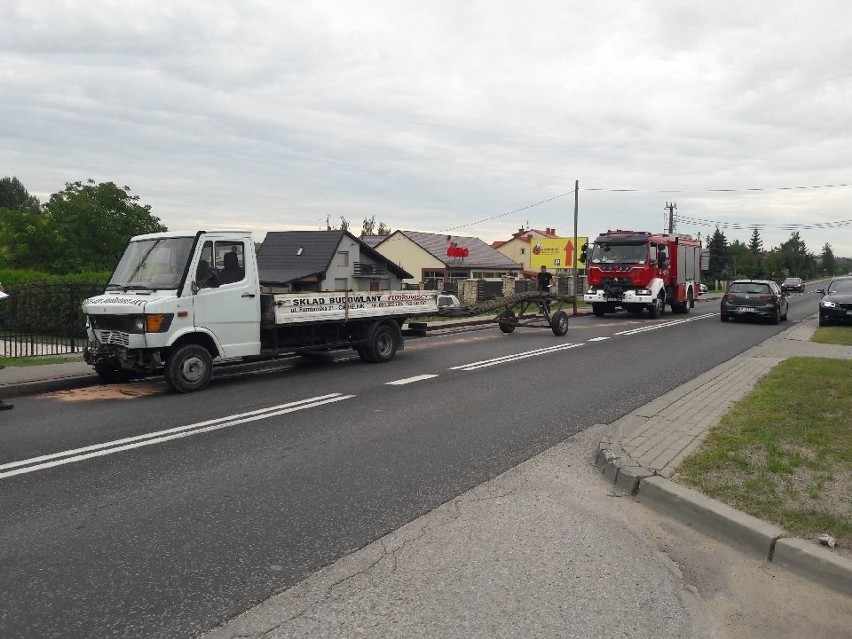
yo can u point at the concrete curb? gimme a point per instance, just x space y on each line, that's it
719 520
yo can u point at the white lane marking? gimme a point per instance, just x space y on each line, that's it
598 339
158 437
511 358
654 327
410 380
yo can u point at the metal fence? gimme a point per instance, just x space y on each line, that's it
44 319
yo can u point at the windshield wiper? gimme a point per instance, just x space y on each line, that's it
136 287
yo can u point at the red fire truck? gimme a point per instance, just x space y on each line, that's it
638 269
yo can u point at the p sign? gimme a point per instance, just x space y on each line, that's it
555 252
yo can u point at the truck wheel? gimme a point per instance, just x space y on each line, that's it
559 323
657 307
112 374
189 369
598 309
509 325
383 344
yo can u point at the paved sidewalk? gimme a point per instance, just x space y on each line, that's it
645 447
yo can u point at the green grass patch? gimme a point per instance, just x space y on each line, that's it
833 335
39 361
784 452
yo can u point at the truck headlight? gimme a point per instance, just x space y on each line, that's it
150 323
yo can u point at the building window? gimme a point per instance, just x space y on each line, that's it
523 251
341 283
343 258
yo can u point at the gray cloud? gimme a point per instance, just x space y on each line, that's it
431 115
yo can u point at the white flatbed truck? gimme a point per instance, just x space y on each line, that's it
168 308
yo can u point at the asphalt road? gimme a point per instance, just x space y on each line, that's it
140 513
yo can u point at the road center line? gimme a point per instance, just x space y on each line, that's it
511 358
410 380
129 443
654 327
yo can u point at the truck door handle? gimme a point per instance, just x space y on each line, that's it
247 295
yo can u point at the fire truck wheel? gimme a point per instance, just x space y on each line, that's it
657 307
559 323
189 368
509 325
598 309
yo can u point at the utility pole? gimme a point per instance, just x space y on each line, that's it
576 248
670 207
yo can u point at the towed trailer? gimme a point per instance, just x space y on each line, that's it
532 309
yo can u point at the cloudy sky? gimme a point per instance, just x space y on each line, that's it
471 116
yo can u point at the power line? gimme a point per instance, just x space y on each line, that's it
697 221
734 225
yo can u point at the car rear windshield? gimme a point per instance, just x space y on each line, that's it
752 288
792 280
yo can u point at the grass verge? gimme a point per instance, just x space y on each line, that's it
38 361
841 335
784 452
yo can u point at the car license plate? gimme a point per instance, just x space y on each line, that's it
746 309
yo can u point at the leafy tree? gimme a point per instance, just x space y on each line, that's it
827 262
740 259
14 196
83 227
369 227
718 247
383 229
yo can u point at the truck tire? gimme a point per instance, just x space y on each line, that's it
113 374
382 344
508 325
598 309
658 307
559 323
189 369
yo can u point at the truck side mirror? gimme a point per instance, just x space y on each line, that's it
582 257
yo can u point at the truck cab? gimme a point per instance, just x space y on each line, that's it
171 291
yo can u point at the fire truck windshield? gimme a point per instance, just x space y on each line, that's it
605 253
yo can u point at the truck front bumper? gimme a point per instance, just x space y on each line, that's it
627 297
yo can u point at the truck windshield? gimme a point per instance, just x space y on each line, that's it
604 253
152 264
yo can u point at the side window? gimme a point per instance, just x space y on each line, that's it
205 265
230 261
343 258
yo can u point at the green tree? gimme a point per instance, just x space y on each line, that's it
740 259
383 229
369 225
755 246
718 247
14 196
828 264
93 223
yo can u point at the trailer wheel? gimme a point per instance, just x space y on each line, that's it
559 323
598 309
112 374
508 325
383 342
189 369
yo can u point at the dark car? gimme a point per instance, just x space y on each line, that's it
762 299
793 284
836 302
